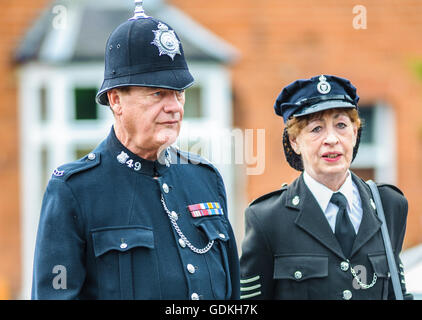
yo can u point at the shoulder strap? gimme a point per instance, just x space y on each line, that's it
387 243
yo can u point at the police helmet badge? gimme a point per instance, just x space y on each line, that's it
323 86
166 41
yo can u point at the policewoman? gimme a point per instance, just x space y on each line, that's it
136 218
319 237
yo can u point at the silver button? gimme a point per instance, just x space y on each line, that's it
221 235
344 265
298 275
91 156
296 200
182 243
194 296
191 268
347 295
165 188
123 245
174 215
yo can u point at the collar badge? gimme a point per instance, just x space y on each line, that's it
166 41
122 157
323 86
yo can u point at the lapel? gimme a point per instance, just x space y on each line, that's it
310 217
370 223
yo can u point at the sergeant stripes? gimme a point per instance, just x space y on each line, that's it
249 287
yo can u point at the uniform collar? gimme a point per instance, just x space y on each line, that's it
323 194
128 160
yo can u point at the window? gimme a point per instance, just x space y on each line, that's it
85 105
367 114
193 105
376 156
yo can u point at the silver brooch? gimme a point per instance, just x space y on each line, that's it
323 86
122 157
166 41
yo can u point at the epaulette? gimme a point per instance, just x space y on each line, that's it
270 194
67 170
390 186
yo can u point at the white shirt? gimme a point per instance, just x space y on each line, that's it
323 196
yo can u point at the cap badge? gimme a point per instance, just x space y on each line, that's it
166 41
323 86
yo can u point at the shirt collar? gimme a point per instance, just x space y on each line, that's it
323 194
123 156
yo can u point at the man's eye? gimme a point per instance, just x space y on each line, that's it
157 93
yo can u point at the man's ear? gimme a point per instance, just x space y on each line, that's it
114 99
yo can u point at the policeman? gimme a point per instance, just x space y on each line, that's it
319 237
137 218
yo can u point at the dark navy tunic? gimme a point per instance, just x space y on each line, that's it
104 226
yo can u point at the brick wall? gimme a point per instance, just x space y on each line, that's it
281 41
15 18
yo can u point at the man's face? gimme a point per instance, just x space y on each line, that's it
147 119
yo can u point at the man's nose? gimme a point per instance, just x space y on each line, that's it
172 103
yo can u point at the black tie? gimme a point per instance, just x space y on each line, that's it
345 233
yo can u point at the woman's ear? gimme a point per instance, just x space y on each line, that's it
114 99
295 145
355 134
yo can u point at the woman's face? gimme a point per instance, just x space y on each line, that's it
326 145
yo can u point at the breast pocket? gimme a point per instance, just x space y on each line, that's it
381 270
300 276
126 262
215 229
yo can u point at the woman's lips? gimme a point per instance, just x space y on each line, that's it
331 156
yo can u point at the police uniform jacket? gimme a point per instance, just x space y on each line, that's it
104 232
290 251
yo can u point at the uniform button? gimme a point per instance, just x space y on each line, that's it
182 243
194 296
221 235
344 265
91 156
165 188
190 268
174 215
298 275
123 245
296 200
347 295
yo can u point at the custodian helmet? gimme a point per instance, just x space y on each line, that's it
144 51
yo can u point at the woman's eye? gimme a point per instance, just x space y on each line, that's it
341 125
316 129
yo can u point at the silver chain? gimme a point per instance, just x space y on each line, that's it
181 235
363 285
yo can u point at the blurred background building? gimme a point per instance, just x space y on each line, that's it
241 53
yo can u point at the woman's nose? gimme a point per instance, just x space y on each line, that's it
331 137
